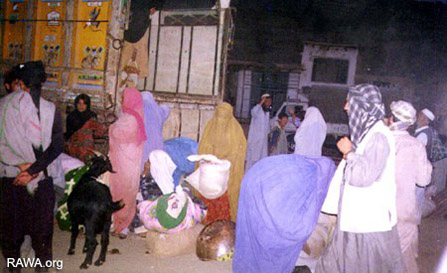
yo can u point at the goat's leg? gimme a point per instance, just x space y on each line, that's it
74 235
91 244
85 247
104 243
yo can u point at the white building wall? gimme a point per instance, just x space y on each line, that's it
315 50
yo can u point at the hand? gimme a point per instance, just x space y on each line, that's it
23 178
292 111
147 168
344 145
262 101
24 167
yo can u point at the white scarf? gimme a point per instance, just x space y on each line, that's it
20 131
162 168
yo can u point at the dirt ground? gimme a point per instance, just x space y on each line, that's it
432 242
133 256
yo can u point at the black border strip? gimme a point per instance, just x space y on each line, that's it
180 118
199 127
180 60
148 55
215 59
189 60
156 52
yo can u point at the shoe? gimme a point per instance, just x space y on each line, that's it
301 269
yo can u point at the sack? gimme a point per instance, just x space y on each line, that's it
171 245
438 149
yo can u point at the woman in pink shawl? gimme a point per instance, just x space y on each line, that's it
127 136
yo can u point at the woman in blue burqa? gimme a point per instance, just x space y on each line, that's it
279 204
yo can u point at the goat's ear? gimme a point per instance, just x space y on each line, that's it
110 169
97 153
109 166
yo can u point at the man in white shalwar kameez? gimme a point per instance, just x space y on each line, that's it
436 150
259 130
412 169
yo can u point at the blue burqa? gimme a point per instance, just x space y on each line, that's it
279 204
179 149
154 117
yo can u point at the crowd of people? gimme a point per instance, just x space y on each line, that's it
377 193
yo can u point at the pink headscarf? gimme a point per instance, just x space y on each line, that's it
133 105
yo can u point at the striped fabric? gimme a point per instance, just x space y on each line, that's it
365 109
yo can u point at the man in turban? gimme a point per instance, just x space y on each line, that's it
412 169
257 141
30 143
366 238
436 150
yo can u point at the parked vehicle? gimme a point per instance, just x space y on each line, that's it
334 131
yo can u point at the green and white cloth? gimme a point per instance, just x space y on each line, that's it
71 178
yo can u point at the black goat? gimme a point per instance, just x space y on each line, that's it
90 204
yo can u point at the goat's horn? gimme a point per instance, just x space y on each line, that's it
97 153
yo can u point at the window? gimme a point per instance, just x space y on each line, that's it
273 82
328 70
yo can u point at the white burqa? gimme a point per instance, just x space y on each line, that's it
309 137
257 136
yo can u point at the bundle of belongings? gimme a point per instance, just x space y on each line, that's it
173 217
279 205
174 210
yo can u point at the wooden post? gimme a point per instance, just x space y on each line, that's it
28 30
68 44
115 33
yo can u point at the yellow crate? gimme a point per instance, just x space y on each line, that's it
90 37
14 31
48 43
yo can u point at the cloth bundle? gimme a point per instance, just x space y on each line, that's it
179 149
72 178
211 178
174 210
171 213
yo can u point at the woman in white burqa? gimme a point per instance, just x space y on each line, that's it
309 137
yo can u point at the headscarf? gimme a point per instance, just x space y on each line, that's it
365 109
223 137
309 137
179 149
133 105
154 117
405 113
76 119
162 168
